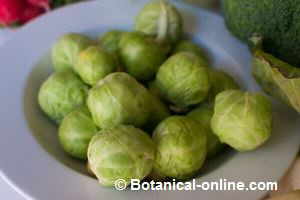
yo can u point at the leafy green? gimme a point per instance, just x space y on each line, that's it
277 78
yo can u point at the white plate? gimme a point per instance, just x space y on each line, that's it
31 159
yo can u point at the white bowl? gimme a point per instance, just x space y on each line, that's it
32 161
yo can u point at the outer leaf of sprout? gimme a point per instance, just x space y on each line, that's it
277 78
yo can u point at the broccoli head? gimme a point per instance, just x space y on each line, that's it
278 22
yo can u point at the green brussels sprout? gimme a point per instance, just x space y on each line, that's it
75 132
219 82
141 55
160 19
182 80
110 41
181 147
67 48
243 120
122 152
119 99
203 115
93 64
188 46
61 93
277 78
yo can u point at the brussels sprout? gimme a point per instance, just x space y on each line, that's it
123 152
203 115
110 41
67 48
76 131
61 93
188 46
277 78
160 19
180 147
243 120
93 64
119 99
183 80
141 55
219 82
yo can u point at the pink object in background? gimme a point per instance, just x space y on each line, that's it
21 11
30 12
11 11
290 182
45 4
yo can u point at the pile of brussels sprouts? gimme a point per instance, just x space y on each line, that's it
147 103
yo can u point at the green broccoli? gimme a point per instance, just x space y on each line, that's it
278 22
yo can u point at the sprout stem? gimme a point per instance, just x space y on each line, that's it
256 41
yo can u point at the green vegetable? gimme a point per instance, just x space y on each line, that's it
276 77
183 80
277 21
141 55
67 48
203 115
123 152
243 120
188 46
219 82
160 19
181 147
93 64
76 131
61 93
119 99
110 41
